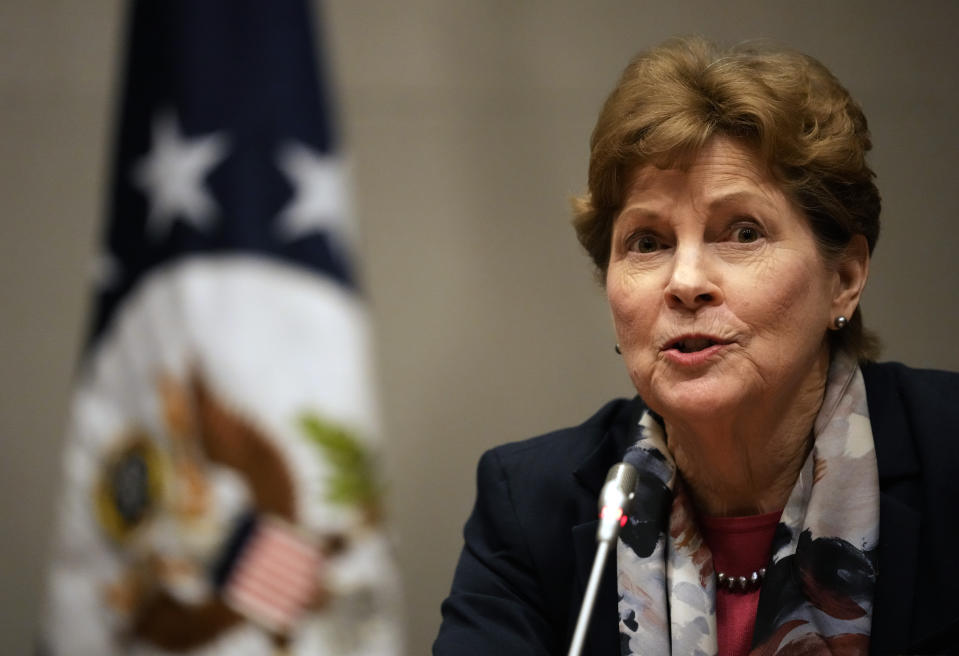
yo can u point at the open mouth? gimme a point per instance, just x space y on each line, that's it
692 344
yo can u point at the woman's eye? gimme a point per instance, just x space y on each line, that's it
746 234
645 244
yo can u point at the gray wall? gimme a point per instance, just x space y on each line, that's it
468 124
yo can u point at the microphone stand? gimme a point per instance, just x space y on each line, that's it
586 610
614 501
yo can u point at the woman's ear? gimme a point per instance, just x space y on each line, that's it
852 269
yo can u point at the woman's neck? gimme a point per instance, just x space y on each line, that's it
747 462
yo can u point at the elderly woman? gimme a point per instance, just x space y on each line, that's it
794 496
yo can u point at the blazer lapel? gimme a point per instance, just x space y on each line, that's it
591 475
899 519
895 586
603 634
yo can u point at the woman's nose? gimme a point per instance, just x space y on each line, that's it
691 285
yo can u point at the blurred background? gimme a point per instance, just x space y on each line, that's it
467 124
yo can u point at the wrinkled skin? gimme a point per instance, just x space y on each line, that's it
718 254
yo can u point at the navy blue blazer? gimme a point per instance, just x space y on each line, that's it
530 540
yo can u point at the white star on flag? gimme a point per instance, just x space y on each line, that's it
172 175
319 195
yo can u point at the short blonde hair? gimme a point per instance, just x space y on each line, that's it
803 123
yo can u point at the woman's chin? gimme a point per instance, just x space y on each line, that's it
694 401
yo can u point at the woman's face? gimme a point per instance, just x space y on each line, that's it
719 295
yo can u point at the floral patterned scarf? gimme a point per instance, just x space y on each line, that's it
817 594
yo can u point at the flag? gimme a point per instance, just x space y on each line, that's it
220 491
274 578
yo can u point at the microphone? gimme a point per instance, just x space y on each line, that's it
615 500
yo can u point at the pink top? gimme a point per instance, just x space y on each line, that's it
740 546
